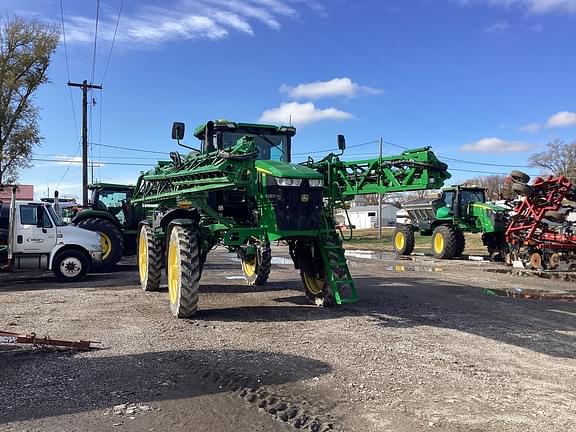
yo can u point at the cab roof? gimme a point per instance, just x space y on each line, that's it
249 128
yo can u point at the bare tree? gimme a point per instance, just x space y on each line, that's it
25 51
559 159
497 186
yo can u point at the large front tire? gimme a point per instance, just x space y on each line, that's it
149 259
183 267
256 269
111 240
460 243
70 266
444 242
403 240
313 274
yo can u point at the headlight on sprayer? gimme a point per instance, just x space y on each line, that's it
316 182
288 181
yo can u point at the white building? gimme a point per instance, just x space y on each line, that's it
367 216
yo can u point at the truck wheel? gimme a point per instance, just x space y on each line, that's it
149 259
403 240
519 177
70 266
256 270
111 241
444 242
460 243
183 271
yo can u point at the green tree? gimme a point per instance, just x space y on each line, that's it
559 159
26 47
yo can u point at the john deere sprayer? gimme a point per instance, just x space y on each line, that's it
241 191
459 209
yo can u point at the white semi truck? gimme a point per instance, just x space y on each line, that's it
37 239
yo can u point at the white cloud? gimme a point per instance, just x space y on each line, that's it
495 145
325 89
562 119
531 6
301 114
187 20
531 127
498 28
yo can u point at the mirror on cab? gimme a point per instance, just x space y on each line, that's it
341 143
178 130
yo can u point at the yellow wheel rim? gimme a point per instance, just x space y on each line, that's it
143 256
173 271
249 266
438 243
313 284
399 240
106 245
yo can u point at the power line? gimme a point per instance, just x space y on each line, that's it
113 40
334 149
129 149
73 161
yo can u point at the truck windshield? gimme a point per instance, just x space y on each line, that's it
54 216
270 147
470 196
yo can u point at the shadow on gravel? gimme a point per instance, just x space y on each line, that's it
10 282
541 326
37 384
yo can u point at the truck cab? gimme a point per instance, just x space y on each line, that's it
37 239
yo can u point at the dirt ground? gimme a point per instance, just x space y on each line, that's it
424 349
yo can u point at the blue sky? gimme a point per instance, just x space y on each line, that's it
481 81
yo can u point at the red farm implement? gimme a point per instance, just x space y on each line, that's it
538 233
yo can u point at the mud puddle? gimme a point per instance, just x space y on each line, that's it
565 276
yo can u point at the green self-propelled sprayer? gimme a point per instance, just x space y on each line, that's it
240 190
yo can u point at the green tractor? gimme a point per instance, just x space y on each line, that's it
240 190
459 209
111 214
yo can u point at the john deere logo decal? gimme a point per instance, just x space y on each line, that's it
304 198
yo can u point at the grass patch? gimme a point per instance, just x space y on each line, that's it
368 239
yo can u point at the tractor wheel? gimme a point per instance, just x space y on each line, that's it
519 177
522 189
70 266
460 243
183 271
111 241
313 274
444 241
403 240
257 268
149 259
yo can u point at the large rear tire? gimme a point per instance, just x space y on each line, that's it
403 240
183 267
256 269
111 240
460 243
444 242
149 259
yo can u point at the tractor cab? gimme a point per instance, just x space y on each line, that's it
272 142
458 200
113 199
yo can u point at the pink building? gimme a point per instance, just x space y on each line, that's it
24 192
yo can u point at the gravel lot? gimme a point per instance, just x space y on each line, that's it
424 349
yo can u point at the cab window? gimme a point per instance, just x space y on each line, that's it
29 216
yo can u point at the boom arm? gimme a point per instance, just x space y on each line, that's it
412 170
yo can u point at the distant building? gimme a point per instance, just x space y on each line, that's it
367 216
23 192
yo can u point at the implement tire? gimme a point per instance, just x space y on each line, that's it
149 259
183 268
403 240
519 177
460 243
522 189
444 242
257 269
111 240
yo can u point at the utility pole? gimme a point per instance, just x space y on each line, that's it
85 87
380 198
